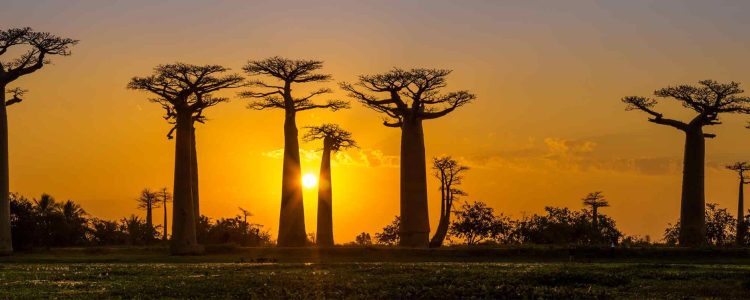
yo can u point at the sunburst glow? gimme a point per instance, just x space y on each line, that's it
309 180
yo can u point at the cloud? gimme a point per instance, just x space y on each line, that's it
367 158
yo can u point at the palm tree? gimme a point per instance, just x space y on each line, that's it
334 139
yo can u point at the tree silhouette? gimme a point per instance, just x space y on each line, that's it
289 72
147 201
741 168
165 197
708 99
39 46
183 90
334 139
448 171
390 234
595 200
410 96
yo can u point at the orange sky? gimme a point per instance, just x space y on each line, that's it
546 129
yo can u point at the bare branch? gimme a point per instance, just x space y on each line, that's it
17 94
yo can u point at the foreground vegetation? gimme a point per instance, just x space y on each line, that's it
188 277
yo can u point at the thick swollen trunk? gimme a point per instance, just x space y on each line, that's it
194 177
325 196
292 216
741 214
183 218
693 206
6 245
415 223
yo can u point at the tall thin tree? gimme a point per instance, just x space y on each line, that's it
38 47
334 139
449 172
165 198
708 99
183 91
279 96
595 201
741 168
410 97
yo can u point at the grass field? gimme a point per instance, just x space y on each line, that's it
362 273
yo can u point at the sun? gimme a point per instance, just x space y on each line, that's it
309 180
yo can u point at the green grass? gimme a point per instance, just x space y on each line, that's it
147 273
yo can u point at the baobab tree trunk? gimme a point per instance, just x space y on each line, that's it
183 218
693 206
292 217
325 200
741 214
415 223
6 242
194 178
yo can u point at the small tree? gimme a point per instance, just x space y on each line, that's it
709 99
363 239
741 168
279 96
40 46
147 201
595 200
476 222
407 98
334 139
390 234
448 171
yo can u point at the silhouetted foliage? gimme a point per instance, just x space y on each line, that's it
708 99
564 226
720 229
406 98
476 223
148 201
232 231
289 72
390 234
363 239
595 200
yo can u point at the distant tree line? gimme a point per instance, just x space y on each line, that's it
46 223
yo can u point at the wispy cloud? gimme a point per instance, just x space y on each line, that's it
368 158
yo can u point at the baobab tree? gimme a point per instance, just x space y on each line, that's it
448 171
595 200
708 100
410 97
289 72
165 198
147 201
36 48
741 168
183 90
334 139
